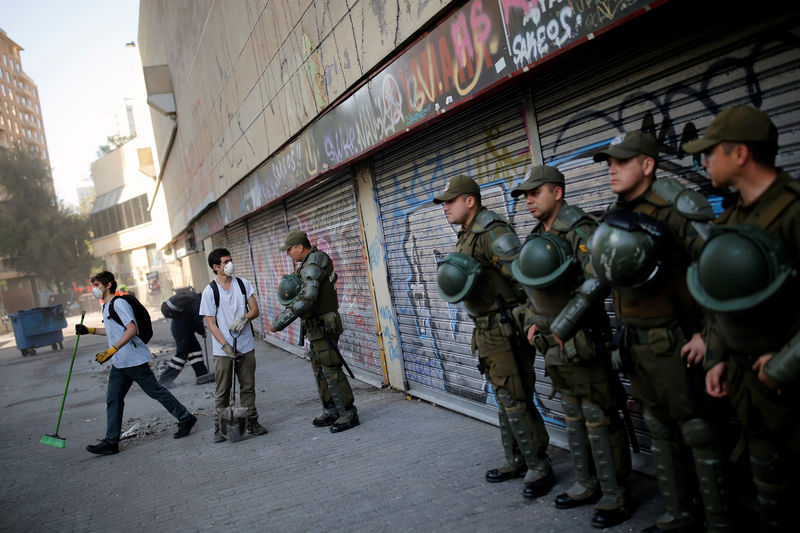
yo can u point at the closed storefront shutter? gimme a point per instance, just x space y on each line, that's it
327 213
268 230
239 247
671 87
488 143
219 240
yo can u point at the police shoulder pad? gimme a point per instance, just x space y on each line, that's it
486 218
689 203
318 258
569 216
654 198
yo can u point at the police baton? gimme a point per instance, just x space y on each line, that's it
334 346
505 319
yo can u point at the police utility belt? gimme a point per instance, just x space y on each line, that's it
648 335
490 321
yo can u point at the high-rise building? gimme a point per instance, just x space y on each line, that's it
20 124
20 110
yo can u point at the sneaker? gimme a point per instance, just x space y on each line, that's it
219 437
205 378
103 448
185 427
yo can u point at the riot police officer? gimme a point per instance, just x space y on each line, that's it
551 267
316 303
478 277
642 249
746 277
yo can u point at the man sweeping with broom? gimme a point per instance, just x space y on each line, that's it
129 363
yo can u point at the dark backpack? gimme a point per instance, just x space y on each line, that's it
140 314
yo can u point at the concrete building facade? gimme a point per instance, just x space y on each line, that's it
346 118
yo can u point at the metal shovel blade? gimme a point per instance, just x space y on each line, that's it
238 428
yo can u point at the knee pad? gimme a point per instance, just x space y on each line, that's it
698 433
766 466
572 408
505 398
658 430
595 416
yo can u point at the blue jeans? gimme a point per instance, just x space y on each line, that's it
119 383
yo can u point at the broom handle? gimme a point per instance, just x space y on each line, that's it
64 398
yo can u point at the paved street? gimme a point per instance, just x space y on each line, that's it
409 466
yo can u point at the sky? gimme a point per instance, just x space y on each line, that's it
75 53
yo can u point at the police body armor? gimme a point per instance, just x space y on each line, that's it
481 283
745 278
317 294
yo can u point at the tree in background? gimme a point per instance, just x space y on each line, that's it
38 236
113 142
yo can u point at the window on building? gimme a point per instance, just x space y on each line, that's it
3 88
8 77
5 60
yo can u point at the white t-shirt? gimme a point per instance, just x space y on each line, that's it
231 306
135 352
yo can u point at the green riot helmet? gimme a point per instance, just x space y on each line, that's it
288 288
542 261
625 249
456 276
741 276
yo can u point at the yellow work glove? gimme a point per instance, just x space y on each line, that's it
105 355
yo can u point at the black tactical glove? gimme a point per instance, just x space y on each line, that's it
80 329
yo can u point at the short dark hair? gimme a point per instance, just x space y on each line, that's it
216 255
763 153
306 243
552 187
105 277
477 198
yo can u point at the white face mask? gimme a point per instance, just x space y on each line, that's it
97 293
228 269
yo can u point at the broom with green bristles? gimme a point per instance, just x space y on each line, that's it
54 440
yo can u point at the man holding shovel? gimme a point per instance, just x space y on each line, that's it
228 305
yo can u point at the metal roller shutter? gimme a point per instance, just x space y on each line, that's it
327 213
239 247
219 240
488 143
672 87
268 230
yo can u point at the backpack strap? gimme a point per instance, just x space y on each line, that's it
244 294
112 314
215 290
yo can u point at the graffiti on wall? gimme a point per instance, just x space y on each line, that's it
662 110
668 111
476 47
